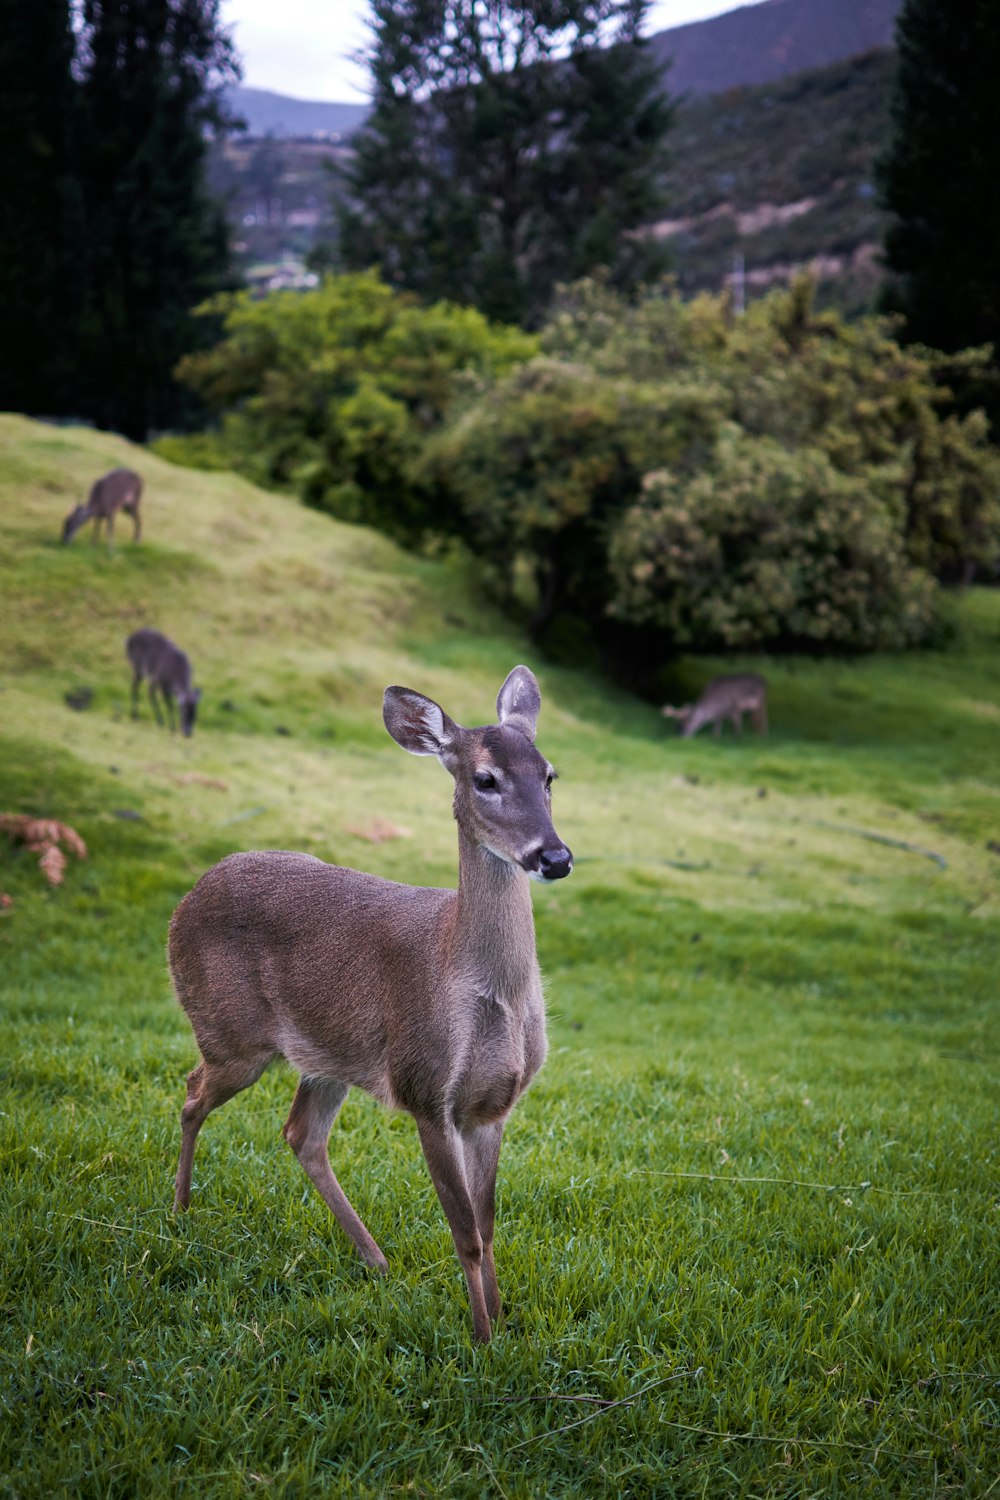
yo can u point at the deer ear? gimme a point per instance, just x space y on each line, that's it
417 723
518 702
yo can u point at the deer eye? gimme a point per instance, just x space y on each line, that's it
485 781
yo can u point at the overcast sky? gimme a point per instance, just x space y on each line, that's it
303 47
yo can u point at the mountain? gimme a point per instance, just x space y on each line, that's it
761 43
784 107
780 176
266 113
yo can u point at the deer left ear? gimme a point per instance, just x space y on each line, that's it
518 702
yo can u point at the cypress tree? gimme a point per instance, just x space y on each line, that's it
509 147
39 223
940 174
156 243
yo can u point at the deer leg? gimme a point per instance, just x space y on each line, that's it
156 706
136 680
208 1086
482 1152
137 535
110 527
168 699
307 1131
446 1160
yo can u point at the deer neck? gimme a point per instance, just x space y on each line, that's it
494 923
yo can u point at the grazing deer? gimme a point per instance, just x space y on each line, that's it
725 698
165 666
121 489
431 1000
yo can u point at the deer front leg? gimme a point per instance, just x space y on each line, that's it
482 1152
135 695
137 535
445 1156
110 528
156 706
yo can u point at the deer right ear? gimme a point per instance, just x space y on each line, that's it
417 723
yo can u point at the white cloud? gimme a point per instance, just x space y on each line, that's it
304 47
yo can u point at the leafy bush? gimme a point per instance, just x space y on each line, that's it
333 391
765 546
781 478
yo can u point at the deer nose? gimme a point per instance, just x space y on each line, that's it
554 864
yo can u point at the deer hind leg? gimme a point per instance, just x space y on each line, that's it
482 1152
307 1131
208 1086
445 1156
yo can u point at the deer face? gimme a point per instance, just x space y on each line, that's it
73 522
187 705
503 796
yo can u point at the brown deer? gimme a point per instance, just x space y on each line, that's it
431 1000
725 698
166 667
121 489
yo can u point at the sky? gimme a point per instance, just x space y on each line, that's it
303 47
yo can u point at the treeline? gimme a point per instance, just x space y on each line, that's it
641 474
108 238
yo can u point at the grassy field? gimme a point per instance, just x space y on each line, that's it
748 1213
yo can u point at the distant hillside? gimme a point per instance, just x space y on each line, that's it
761 43
266 113
782 175
784 108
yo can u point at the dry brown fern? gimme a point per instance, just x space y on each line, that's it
44 835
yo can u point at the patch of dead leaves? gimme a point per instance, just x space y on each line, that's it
378 831
44 835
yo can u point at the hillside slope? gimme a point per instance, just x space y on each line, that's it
755 44
784 175
295 623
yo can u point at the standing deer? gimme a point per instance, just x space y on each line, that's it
165 666
429 999
121 489
725 698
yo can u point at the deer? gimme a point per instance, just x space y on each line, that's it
728 697
167 668
120 489
429 999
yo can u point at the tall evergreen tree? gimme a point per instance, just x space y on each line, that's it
510 146
940 175
39 220
156 243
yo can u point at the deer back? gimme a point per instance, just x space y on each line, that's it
118 488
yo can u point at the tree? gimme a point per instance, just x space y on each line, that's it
39 224
155 242
940 173
509 147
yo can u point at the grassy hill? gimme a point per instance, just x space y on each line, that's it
747 1214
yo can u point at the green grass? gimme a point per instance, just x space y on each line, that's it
747 1214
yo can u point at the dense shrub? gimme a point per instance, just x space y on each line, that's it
781 478
766 545
333 391
653 468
